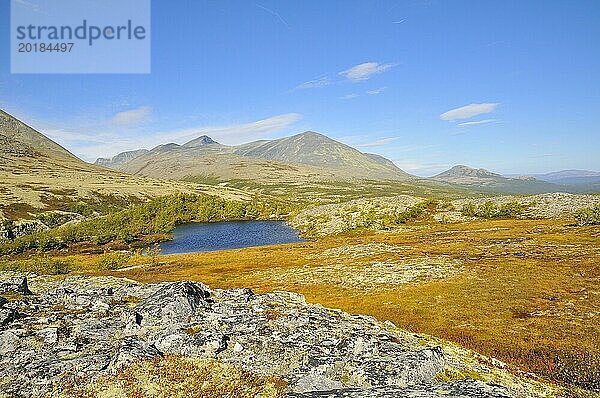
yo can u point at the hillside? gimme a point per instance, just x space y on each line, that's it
37 174
300 158
18 139
487 181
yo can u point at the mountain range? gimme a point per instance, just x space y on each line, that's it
308 155
36 172
487 181
581 180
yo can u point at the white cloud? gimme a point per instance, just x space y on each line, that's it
364 71
468 111
376 91
377 143
132 117
320 82
466 124
349 96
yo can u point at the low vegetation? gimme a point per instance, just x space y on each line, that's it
491 210
40 264
361 214
588 216
158 216
176 376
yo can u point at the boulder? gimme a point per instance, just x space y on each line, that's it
14 284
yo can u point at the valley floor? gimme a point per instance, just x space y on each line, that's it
522 291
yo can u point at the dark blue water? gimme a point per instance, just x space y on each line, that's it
207 237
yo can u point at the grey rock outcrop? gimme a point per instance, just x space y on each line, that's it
456 389
92 326
14 283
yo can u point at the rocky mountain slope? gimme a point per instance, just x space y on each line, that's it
308 154
18 139
80 329
485 180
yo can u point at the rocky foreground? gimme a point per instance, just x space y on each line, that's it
93 326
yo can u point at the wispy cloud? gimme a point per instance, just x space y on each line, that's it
468 111
376 91
542 155
377 143
275 14
235 133
364 71
357 73
320 82
474 123
368 92
132 117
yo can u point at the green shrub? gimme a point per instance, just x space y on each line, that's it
510 210
588 216
491 210
49 242
52 266
113 260
414 212
487 210
469 210
54 219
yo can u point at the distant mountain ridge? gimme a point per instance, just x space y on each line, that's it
570 177
460 171
308 153
484 180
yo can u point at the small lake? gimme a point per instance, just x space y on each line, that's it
207 237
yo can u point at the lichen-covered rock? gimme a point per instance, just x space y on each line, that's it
25 227
7 315
13 283
455 389
93 326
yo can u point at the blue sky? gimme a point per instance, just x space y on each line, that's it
510 86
